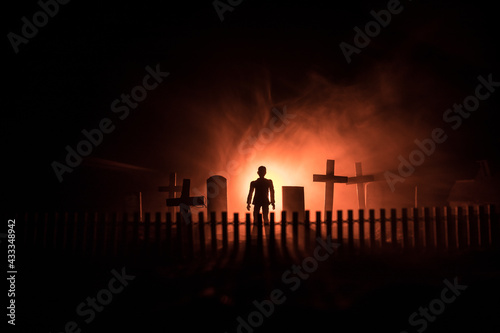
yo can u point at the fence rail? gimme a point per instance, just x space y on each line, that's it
438 229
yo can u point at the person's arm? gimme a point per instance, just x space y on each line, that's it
250 192
271 189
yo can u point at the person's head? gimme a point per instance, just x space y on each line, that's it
262 171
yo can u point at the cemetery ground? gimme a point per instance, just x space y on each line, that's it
344 293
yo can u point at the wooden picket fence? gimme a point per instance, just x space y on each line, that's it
418 230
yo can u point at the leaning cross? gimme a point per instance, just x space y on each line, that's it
329 179
172 189
360 180
185 201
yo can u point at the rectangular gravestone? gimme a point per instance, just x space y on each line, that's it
293 201
216 196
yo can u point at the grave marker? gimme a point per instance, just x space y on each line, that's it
329 179
185 201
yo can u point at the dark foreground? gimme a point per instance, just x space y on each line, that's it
233 293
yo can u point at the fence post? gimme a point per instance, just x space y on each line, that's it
79 232
248 230
71 238
97 234
451 226
101 223
168 234
213 232
340 228
484 227
224 231
361 228
440 228
104 229
272 234
473 228
318 224
91 233
179 244
158 247
44 228
371 214
259 223
189 236
111 250
135 232
236 230
429 230
495 227
307 230
350 230
283 229
52 230
417 237
383 232
123 240
404 223
462 228
147 234
295 229
59 223
394 229
328 222
201 234
63 239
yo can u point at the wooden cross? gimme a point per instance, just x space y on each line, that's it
185 201
172 189
360 180
329 179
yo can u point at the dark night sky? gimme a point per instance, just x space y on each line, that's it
65 78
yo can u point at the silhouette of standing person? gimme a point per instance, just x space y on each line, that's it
263 187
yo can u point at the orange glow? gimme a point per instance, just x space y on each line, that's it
292 167
242 131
